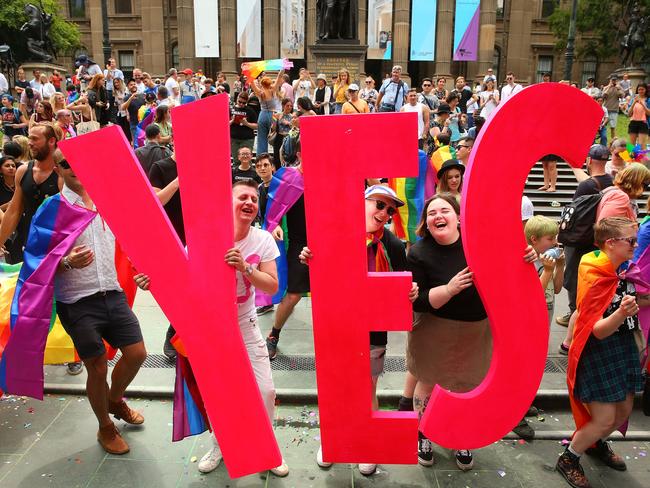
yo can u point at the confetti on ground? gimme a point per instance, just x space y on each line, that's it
62 399
193 459
521 441
27 426
565 442
541 419
643 454
501 472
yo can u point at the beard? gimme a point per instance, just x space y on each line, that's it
41 154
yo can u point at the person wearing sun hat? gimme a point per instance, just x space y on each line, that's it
450 178
189 90
355 105
385 253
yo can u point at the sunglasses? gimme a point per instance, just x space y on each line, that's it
64 164
463 145
630 240
382 205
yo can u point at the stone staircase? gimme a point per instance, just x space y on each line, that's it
546 203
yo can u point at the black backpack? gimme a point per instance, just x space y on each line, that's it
578 219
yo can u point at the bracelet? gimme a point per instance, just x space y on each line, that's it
66 263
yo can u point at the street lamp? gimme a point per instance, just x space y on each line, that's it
570 44
106 45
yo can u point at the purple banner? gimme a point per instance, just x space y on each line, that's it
466 30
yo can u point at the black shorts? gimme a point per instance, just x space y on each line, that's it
297 273
637 127
104 315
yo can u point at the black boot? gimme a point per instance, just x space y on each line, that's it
168 349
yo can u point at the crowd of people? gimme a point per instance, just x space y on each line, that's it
450 343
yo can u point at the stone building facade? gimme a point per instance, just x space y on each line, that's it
158 34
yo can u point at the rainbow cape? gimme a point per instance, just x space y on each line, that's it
147 118
35 336
412 192
253 69
597 281
285 189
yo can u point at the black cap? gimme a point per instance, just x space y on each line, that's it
599 152
450 164
444 108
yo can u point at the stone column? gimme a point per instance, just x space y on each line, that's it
271 29
444 38
402 22
153 39
519 57
363 21
310 35
186 49
487 35
228 37
96 23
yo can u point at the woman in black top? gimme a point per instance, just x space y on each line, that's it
98 98
8 186
451 342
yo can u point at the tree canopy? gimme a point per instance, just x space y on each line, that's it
600 26
64 35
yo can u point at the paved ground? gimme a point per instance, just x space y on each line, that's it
52 444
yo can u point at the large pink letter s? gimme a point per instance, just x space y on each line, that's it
530 125
196 290
347 301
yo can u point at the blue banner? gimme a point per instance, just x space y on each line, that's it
423 30
466 30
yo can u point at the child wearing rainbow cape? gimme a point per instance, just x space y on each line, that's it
604 362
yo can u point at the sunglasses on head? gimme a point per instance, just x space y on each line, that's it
64 164
630 240
382 205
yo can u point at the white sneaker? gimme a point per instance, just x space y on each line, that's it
281 470
367 469
211 460
319 459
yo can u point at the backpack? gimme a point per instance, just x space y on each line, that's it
289 146
578 219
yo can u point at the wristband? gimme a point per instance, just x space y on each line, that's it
66 263
249 270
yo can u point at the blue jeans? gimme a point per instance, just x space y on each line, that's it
602 133
264 123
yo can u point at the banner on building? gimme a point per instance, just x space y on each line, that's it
423 30
466 30
380 29
249 28
292 29
206 28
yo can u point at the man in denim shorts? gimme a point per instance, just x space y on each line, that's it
93 309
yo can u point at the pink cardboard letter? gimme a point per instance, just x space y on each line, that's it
347 301
196 290
512 141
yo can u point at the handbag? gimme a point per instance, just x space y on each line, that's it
89 126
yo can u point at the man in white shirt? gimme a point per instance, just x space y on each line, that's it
590 89
35 83
4 85
489 76
110 73
93 309
412 105
511 88
137 76
173 88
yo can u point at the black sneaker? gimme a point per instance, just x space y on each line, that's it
75 368
464 460
524 430
265 309
563 320
405 404
533 411
272 346
425 450
563 349
603 451
569 467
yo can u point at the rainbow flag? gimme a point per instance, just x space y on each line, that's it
34 336
597 281
147 118
190 417
412 192
253 69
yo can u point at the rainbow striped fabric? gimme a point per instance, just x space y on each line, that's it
412 192
253 69
190 417
30 333
147 118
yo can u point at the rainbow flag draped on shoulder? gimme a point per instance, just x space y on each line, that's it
412 192
597 281
33 335
147 118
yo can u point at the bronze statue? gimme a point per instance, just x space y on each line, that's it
635 36
336 19
37 31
